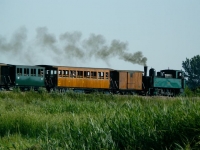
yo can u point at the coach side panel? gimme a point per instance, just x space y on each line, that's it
135 80
83 78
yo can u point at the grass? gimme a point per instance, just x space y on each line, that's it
32 120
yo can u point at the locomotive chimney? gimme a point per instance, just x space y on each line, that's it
145 71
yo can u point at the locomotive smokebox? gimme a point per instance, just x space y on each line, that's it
145 70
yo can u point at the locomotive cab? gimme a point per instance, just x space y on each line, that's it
177 74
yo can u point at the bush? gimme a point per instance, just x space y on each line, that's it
188 92
197 92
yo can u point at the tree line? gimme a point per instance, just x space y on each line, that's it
192 72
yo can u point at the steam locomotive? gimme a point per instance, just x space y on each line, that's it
82 79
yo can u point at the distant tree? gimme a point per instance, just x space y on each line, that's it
192 72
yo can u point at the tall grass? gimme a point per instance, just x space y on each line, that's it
32 120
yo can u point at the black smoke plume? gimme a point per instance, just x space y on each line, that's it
46 48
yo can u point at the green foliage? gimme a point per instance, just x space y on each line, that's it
16 90
41 120
188 92
191 93
192 71
197 92
42 90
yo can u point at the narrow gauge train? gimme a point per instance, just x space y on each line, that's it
82 79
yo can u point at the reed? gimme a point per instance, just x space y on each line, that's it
41 120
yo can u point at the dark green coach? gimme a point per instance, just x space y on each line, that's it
22 76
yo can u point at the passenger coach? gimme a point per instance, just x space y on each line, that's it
21 76
77 78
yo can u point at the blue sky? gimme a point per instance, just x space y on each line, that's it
166 32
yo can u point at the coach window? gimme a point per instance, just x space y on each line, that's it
26 71
65 73
73 73
47 71
60 73
19 71
93 75
107 75
100 75
79 74
40 72
86 74
33 72
55 72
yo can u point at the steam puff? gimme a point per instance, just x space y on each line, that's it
16 43
46 40
136 58
69 46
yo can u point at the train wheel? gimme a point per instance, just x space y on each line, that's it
122 93
51 90
62 91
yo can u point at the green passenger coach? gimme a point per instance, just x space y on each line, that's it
24 77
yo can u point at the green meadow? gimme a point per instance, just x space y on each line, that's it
39 120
